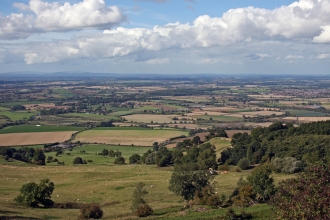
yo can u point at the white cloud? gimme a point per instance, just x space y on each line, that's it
290 57
158 61
43 17
303 21
323 56
324 37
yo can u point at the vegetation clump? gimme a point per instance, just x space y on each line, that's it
139 205
91 211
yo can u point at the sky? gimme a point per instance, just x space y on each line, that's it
166 36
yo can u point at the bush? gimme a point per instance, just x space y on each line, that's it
78 160
144 210
120 160
134 158
214 201
93 211
243 163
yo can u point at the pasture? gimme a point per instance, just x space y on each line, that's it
33 128
33 138
19 115
111 186
128 136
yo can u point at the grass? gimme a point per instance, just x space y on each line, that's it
220 144
121 128
32 128
102 183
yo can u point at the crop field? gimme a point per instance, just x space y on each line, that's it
261 113
307 119
128 136
231 117
31 128
147 118
32 138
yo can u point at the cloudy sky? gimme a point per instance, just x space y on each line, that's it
166 36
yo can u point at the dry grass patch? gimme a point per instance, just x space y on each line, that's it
32 138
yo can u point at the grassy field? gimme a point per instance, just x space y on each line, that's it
220 144
219 118
112 184
92 116
147 118
127 136
32 128
19 115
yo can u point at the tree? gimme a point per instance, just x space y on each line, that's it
105 152
139 205
39 157
196 140
134 158
78 160
186 180
155 146
262 183
308 195
32 194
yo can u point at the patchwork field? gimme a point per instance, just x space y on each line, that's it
31 138
128 136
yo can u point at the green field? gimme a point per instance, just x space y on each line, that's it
19 115
220 144
92 150
305 113
32 128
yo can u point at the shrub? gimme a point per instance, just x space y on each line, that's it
287 165
120 160
243 163
308 195
91 211
134 158
214 201
144 210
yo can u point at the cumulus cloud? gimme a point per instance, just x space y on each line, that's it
303 21
42 17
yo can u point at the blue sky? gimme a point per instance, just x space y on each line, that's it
165 36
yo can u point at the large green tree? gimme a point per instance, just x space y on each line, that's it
32 194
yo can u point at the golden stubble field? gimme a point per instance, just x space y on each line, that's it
128 137
31 138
